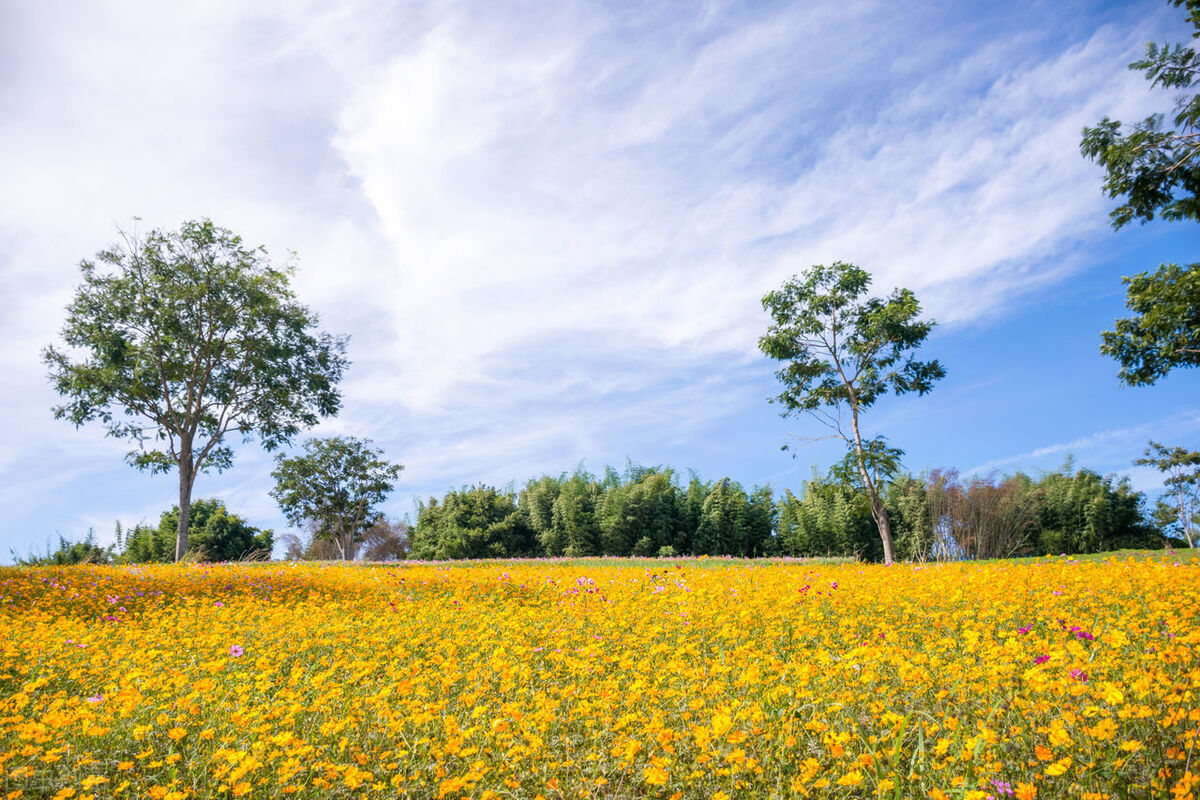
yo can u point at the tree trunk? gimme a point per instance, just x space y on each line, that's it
187 476
878 512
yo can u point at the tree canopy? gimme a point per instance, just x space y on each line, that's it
1164 332
648 511
177 339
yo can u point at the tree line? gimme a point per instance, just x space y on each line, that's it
651 511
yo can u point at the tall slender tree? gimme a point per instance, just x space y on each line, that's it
177 339
841 353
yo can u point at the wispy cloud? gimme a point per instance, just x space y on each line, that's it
1108 450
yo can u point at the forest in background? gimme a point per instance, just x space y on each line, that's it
651 511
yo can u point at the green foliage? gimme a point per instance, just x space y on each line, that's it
830 518
144 544
909 509
1156 170
68 552
538 498
184 337
647 512
335 484
639 515
216 535
473 522
574 516
1164 332
1087 513
720 527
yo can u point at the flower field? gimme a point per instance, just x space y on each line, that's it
696 678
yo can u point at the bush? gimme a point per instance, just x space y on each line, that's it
644 547
69 552
214 534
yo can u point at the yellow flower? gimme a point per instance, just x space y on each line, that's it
721 723
655 775
852 778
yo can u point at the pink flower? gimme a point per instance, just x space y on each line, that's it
236 650
1079 675
1041 659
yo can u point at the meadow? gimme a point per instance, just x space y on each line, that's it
675 678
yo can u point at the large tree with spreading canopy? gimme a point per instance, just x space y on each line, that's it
178 339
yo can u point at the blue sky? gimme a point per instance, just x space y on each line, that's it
547 227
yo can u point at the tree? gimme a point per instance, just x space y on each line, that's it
1157 173
473 522
574 516
982 517
725 521
187 336
335 484
1182 468
537 498
385 541
830 518
843 353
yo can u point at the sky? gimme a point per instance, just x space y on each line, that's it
547 228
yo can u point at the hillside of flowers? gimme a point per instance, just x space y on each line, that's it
653 678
